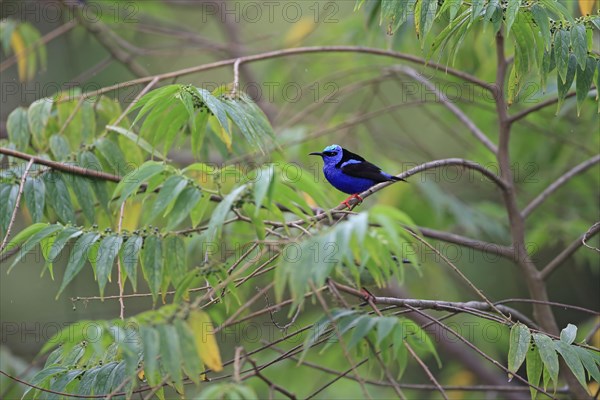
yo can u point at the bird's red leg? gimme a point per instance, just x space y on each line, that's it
354 196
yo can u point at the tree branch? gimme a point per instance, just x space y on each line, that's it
485 247
479 135
568 252
539 106
294 51
18 200
584 166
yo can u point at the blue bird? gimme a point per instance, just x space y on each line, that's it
350 173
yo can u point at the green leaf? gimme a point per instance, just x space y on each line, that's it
534 369
108 250
584 82
35 197
17 127
221 211
24 235
58 196
60 241
77 258
571 357
385 325
171 354
428 12
90 161
152 260
198 134
579 44
84 195
561 51
512 9
137 140
129 258
263 187
563 87
540 16
175 264
476 9
558 9
183 206
167 194
133 180
151 351
191 362
33 241
113 155
363 327
59 146
548 355
519 345
8 202
568 334
199 210
38 115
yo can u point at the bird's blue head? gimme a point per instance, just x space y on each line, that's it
331 154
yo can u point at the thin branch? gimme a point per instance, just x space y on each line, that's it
478 351
479 135
568 252
68 168
588 234
16 209
459 272
119 280
584 166
104 36
537 107
485 247
145 90
272 385
440 305
295 51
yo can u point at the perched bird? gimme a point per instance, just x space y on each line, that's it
350 173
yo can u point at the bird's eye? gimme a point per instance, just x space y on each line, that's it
329 153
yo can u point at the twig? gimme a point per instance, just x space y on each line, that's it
459 272
587 235
485 247
558 183
119 280
568 252
145 90
295 51
236 77
266 380
539 106
16 209
479 135
427 371
340 339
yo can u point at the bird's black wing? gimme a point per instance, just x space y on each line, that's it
364 169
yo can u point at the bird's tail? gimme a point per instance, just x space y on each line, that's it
395 178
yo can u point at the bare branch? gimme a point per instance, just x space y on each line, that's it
568 252
485 247
295 51
584 166
479 135
539 106
16 209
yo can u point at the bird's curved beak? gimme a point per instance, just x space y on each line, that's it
315 154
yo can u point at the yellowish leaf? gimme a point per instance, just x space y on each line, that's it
18 45
206 344
586 6
131 216
299 31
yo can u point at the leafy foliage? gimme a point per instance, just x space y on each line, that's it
540 353
102 357
544 33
